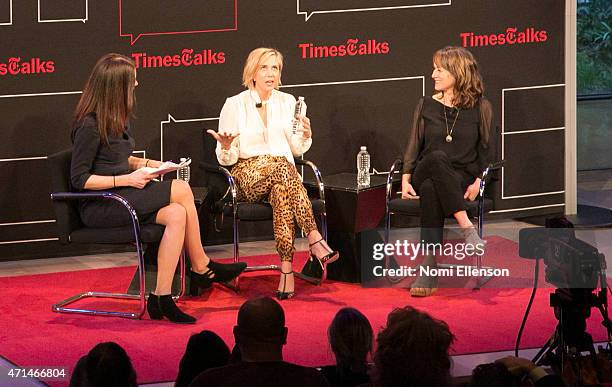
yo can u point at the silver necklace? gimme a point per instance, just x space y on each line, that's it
449 133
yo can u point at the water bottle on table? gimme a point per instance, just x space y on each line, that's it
363 168
184 173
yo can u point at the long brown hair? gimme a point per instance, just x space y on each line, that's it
463 67
109 93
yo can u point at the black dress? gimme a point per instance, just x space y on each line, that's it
91 157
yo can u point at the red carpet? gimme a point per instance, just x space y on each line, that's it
483 321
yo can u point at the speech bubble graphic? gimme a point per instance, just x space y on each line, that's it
373 112
23 161
310 7
178 138
176 17
59 11
6 12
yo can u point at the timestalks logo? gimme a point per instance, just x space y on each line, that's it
186 58
511 36
352 47
17 66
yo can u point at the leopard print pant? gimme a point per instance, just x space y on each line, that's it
275 179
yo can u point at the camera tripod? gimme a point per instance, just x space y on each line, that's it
570 340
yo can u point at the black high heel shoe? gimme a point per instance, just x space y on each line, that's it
216 272
283 295
159 307
327 259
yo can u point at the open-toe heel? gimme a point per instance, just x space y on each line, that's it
332 256
283 295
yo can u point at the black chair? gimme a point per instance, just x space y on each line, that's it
411 207
71 230
228 205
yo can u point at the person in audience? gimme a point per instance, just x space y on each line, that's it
350 337
412 350
448 149
205 350
256 137
102 160
106 364
260 333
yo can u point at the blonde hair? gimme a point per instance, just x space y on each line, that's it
463 67
253 62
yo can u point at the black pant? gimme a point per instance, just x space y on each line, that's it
441 188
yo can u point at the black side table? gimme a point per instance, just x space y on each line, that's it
353 214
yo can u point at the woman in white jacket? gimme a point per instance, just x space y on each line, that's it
256 137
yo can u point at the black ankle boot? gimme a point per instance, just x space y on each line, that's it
164 306
216 272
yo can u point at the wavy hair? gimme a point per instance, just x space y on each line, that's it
462 65
412 350
109 93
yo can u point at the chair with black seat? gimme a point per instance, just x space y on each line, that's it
411 207
71 230
228 205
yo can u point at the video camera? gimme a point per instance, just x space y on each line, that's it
570 262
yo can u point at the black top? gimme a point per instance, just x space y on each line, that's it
469 150
264 374
91 157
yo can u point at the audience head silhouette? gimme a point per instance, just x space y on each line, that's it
413 350
260 332
350 337
204 350
107 364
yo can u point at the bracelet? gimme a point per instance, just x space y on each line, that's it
114 186
147 163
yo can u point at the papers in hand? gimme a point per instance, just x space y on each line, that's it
167 166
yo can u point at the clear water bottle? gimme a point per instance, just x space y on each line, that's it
363 168
184 173
300 111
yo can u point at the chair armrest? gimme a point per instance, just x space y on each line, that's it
397 164
485 173
317 174
217 169
103 195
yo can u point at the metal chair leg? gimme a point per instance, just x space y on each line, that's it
61 307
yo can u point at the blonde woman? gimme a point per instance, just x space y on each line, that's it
447 151
255 137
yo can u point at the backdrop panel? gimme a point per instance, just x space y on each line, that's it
361 65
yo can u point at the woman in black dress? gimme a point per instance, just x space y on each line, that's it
102 160
447 152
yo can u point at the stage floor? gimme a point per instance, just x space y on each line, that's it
462 364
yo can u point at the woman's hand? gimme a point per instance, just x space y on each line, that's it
408 191
472 190
139 178
306 130
223 138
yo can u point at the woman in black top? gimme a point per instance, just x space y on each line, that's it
102 160
447 151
